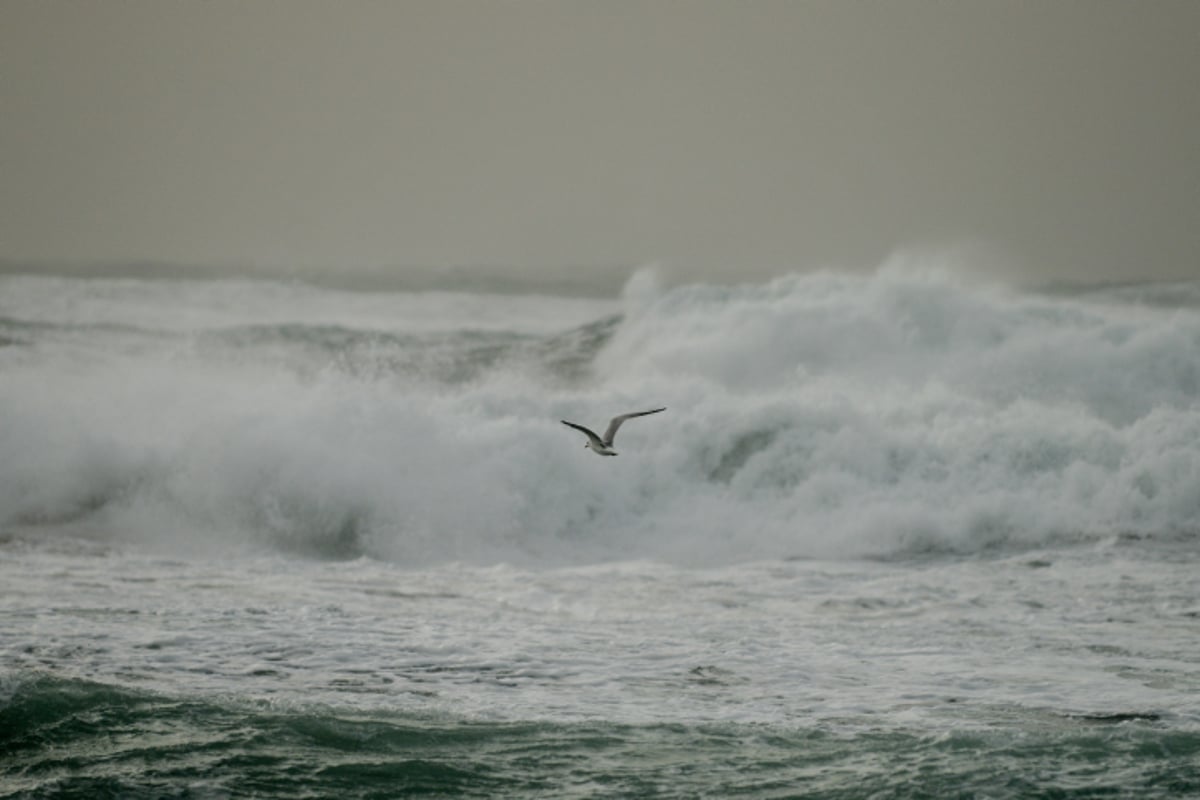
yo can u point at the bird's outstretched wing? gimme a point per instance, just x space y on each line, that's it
594 438
611 433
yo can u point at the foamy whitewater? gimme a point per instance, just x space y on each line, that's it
896 535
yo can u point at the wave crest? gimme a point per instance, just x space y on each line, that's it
812 416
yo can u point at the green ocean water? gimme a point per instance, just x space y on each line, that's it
74 739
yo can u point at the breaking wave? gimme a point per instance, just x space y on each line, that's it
814 416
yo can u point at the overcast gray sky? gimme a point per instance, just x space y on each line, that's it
733 139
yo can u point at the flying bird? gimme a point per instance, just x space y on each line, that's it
602 446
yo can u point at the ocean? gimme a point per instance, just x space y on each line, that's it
897 535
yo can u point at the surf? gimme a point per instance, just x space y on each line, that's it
817 415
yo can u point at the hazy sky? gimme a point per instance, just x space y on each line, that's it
735 138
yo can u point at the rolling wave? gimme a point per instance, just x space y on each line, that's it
816 415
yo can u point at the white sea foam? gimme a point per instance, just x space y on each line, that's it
813 416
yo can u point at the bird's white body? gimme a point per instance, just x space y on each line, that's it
600 449
602 446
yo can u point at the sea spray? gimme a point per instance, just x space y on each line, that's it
817 415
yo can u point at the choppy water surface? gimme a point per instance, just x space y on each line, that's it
895 536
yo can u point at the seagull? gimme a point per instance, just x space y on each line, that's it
603 447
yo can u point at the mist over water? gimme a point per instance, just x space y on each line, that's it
818 415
